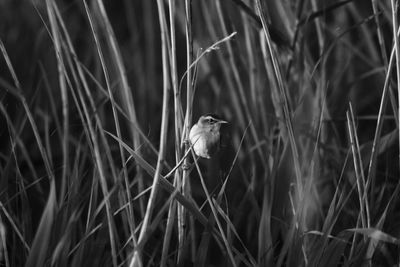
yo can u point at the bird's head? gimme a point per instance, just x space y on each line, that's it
211 121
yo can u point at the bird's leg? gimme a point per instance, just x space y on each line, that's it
189 166
188 145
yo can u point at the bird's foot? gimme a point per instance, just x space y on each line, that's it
186 142
187 166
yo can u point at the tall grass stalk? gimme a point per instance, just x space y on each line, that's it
395 26
136 260
360 179
178 130
186 126
64 98
377 137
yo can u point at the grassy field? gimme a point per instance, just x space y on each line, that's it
97 99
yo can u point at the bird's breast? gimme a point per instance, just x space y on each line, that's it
205 143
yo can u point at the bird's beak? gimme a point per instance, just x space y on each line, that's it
221 121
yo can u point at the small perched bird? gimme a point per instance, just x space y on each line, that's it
205 135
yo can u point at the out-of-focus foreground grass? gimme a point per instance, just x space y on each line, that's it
96 100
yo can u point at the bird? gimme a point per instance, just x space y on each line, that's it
205 135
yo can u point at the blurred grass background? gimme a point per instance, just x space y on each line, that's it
97 99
